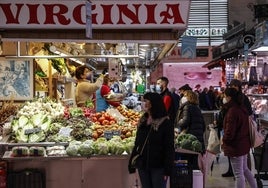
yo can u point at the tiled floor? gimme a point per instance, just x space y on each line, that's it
215 180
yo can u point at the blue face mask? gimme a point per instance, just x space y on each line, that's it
158 89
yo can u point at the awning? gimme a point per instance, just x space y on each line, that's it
214 63
219 61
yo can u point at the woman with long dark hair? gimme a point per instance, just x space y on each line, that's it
236 141
154 142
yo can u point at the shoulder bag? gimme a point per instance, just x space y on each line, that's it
136 156
256 137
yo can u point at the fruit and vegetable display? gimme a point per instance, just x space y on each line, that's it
85 131
189 142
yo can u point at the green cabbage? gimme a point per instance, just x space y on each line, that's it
20 136
101 148
72 150
129 147
23 120
37 137
116 147
86 148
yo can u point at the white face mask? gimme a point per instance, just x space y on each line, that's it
183 100
224 100
158 89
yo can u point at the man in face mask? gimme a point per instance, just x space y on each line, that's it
161 88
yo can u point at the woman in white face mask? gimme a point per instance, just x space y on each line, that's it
189 118
236 142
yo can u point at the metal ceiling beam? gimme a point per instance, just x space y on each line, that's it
70 56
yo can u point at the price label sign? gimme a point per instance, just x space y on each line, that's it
109 134
65 131
31 131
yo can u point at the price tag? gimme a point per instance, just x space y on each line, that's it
109 134
65 131
116 133
30 131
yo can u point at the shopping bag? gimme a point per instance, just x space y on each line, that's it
256 137
204 162
213 141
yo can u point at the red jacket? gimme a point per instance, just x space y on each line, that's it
236 141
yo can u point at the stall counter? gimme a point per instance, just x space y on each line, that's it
68 172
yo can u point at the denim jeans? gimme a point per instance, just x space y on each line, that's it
242 172
152 178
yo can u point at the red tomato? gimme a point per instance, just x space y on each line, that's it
112 122
94 119
101 119
105 122
107 116
98 114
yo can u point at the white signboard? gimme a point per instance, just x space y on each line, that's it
106 14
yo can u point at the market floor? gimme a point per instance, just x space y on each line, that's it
215 180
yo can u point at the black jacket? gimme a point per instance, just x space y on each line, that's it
159 150
191 120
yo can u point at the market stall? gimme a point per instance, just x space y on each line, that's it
72 146
49 48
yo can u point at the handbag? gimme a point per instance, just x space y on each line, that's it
256 137
136 156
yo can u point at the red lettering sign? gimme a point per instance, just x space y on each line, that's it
105 14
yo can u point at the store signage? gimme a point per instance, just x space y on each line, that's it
202 32
106 14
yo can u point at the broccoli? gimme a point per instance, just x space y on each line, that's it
186 144
191 137
189 142
196 146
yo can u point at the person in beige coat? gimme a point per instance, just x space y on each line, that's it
85 89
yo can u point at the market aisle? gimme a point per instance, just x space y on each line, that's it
215 180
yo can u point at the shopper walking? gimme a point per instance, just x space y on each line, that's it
236 141
85 90
154 142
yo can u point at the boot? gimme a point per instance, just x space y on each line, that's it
229 173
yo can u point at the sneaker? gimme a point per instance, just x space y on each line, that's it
228 174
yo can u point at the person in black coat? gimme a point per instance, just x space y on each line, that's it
157 158
189 117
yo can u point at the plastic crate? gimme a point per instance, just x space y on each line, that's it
182 175
192 159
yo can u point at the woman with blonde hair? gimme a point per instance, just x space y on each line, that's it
189 117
